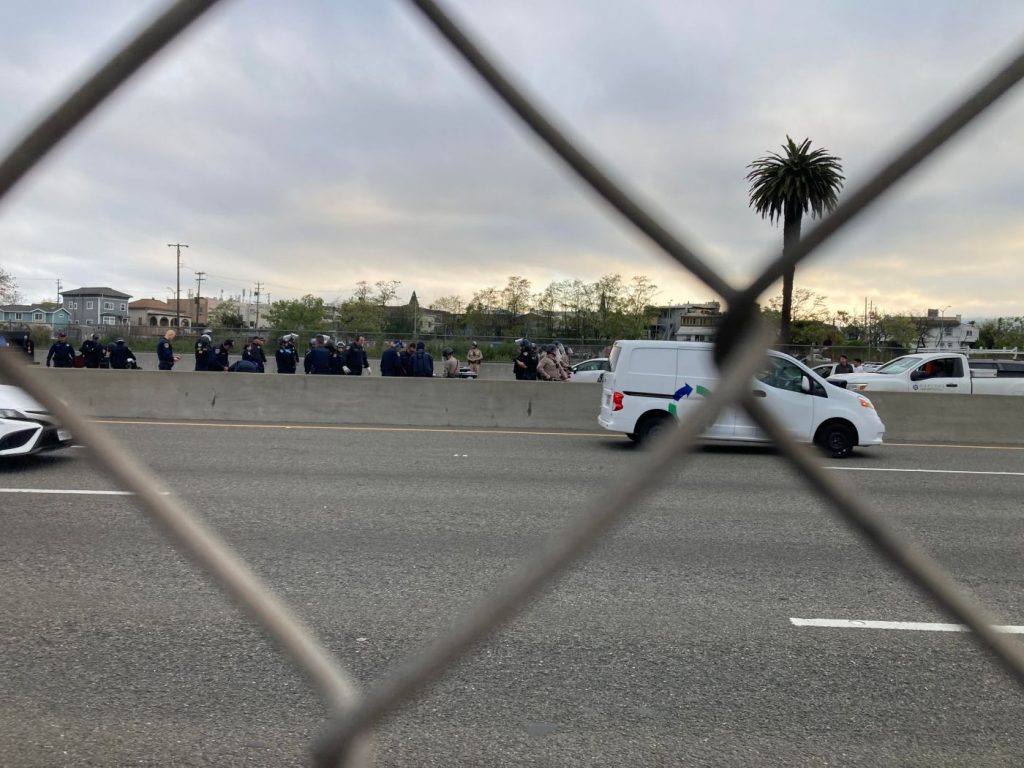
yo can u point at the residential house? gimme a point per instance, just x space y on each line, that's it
941 332
46 313
155 313
687 322
97 306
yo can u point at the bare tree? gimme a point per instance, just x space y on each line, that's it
8 288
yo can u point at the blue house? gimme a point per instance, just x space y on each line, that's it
46 313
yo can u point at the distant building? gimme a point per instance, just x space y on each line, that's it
155 313
45 313
97 306
687 322
942 332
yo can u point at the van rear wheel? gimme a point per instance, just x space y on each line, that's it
838 439
651 426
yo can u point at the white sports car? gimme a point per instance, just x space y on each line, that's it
25 426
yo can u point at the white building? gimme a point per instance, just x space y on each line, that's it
948 332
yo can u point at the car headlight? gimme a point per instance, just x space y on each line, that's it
11 413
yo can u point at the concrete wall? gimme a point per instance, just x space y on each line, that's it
301 399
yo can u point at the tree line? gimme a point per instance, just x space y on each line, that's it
610 307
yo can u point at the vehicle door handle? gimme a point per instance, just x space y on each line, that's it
759 393
952 385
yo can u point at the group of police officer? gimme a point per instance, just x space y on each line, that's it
547 363
92 354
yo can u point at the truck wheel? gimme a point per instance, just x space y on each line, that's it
650 427
838 439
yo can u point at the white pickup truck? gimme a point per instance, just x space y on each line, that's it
947 373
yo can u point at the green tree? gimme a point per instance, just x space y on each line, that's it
785 187
515 297
897 331
227 315
361 315
635 310
306 313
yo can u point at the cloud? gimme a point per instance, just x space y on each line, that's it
311 146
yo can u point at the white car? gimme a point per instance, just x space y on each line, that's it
589 370
25 426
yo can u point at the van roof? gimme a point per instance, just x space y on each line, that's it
626 343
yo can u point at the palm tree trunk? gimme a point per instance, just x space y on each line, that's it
790 237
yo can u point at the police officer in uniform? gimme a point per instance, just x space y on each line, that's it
165 352
219 357
92 351
286 355
202 349
61 353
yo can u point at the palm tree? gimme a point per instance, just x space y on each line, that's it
786 187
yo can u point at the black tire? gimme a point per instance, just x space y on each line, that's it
633 436
651 426
838 439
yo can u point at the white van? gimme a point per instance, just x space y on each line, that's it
652 381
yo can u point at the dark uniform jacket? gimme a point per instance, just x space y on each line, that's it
62 354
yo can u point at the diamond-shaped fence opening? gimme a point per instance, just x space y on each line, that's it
345 740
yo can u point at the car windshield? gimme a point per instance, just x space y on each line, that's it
900 364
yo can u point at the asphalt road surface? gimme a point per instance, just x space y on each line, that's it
672 644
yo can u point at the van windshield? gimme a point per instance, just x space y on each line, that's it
613 357
900 364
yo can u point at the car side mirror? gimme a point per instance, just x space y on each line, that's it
917 375
805 384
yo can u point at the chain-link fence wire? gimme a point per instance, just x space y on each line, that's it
739 352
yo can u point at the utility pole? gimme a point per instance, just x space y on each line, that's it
257 292
177 292
59 286
200 277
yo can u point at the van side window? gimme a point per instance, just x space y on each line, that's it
781 375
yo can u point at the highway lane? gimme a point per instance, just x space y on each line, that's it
671 644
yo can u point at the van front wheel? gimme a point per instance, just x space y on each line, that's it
651 426
838 439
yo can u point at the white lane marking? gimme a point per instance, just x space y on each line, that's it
956 445
343 428
911 626
72 492
929 471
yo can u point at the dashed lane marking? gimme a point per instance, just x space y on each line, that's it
71 492
906 626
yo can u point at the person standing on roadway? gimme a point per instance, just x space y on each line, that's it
219 357
61 353
844 365
92 351
451 363
355 358
318 359
474 357
286 356
165 352
202 350
422 362
390 364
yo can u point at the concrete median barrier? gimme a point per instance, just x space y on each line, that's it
301 399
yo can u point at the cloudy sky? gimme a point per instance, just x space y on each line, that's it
311 145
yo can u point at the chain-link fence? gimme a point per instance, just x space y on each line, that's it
346 738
